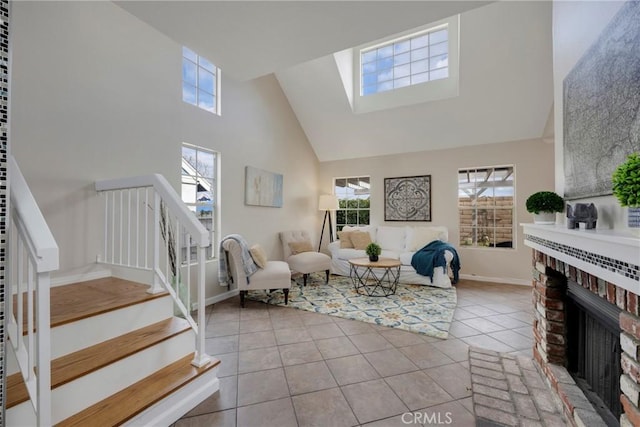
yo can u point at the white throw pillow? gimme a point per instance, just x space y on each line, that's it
391 238
419 237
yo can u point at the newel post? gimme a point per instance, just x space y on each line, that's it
201 358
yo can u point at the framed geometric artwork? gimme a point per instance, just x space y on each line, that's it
407 198
262 188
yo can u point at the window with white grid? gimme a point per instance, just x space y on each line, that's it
414 59
486 206
354 198
200 191
200 82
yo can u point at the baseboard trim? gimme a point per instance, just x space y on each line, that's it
177 404
508 280
221 297
76 278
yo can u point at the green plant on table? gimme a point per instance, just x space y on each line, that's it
544 201
626 181
373 249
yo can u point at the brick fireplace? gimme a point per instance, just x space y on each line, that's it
606 264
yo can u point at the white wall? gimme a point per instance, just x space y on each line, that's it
533 161
96 94
576 26
505 91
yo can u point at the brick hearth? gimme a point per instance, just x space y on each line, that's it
550 281
607 264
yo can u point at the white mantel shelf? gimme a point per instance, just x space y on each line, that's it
609 254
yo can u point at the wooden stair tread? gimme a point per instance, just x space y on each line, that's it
16 390
85 299
74 365
131 401
78 301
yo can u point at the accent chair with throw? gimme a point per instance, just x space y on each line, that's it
264 274
300 255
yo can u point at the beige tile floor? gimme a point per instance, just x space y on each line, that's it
286 367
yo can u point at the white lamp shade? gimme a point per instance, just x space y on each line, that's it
327 202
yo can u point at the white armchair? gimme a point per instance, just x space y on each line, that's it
304 261
274 275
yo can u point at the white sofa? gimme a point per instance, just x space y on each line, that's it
398 243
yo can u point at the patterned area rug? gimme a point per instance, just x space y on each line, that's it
423 309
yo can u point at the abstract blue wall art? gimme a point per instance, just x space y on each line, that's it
262 188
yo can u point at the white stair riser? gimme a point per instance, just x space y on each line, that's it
96 386
21 415
12 363
84 333
174 406
85 391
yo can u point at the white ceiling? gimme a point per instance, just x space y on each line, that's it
248 39
506 88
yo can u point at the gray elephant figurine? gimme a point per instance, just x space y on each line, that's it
582 212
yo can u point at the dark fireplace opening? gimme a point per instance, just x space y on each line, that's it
593 350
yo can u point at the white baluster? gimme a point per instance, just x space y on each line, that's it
177 257
188 284
146 228
20 306
121 220
128 227
106 226
113 226
156 286
44 350
138 227
30 315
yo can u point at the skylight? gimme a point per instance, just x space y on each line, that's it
411 60
416 66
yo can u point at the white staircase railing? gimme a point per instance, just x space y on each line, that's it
33 254
148 227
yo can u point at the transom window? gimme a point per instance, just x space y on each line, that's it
200 191
414 59
486 206
200 81
354 200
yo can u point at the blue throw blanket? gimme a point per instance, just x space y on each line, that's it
248 264
432 255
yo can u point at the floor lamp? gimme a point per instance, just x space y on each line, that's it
327 203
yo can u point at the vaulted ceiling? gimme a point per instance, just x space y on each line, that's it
505 89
